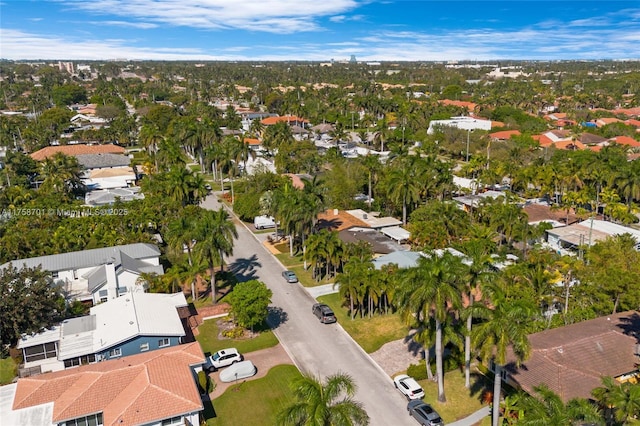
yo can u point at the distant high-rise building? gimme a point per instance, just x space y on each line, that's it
353 59
65 66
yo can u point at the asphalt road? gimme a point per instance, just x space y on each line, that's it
315 348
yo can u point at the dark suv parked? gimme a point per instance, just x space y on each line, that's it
324 313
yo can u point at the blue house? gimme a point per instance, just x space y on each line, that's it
135 323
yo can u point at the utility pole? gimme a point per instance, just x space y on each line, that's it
468 133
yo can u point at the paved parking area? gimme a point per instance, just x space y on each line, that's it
263 359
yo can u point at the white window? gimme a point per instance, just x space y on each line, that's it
163 342
104 296
90 420
172 421
144 347
115 352
75 274
121 291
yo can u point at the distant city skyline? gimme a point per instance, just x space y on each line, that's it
370 30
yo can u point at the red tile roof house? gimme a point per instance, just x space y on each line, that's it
151 388
73 150
504 135
571 360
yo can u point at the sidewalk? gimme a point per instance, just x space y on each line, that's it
474 418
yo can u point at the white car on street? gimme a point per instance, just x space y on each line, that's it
408 386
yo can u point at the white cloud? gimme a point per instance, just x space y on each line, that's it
275 16
36 19
141 25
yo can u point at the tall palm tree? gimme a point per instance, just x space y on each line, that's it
432 290
505 325
402 186
215 235
324 403
479 273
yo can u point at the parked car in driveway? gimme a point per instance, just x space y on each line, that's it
324 313
222 358
424 413
408 386
290 276
237 371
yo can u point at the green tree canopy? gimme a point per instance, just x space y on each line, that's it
249 302
29 301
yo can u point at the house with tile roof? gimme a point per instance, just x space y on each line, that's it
571 360
626 140
98 275
128 325
291 120
73 150
504 135
601 122
152 388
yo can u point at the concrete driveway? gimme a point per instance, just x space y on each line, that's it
263 359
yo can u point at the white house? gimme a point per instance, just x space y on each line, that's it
138 322
98 275
107 171
462 123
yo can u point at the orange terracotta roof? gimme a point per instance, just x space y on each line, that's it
570 145
135 389
337 220
286 118
505 134
596 148
497 124
626 140
72 150
632 122
631 112
295 180
470 106
543 140
606 120
252 141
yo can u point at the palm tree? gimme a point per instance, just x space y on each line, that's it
432 290
547 408
622 398
402 186
181 231
505 325
60 173
353 280
479 273
324 403
215 235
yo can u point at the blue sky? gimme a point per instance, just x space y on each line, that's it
319 30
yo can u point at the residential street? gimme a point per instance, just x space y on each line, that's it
314 347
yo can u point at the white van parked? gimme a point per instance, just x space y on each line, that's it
262 222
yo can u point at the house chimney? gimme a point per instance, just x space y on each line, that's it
335 212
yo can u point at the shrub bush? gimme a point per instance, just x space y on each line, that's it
234 333
417 371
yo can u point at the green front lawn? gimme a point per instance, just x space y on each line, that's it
369 333
461 401
208 339
8 370
256 402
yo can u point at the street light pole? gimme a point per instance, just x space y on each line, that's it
468 133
